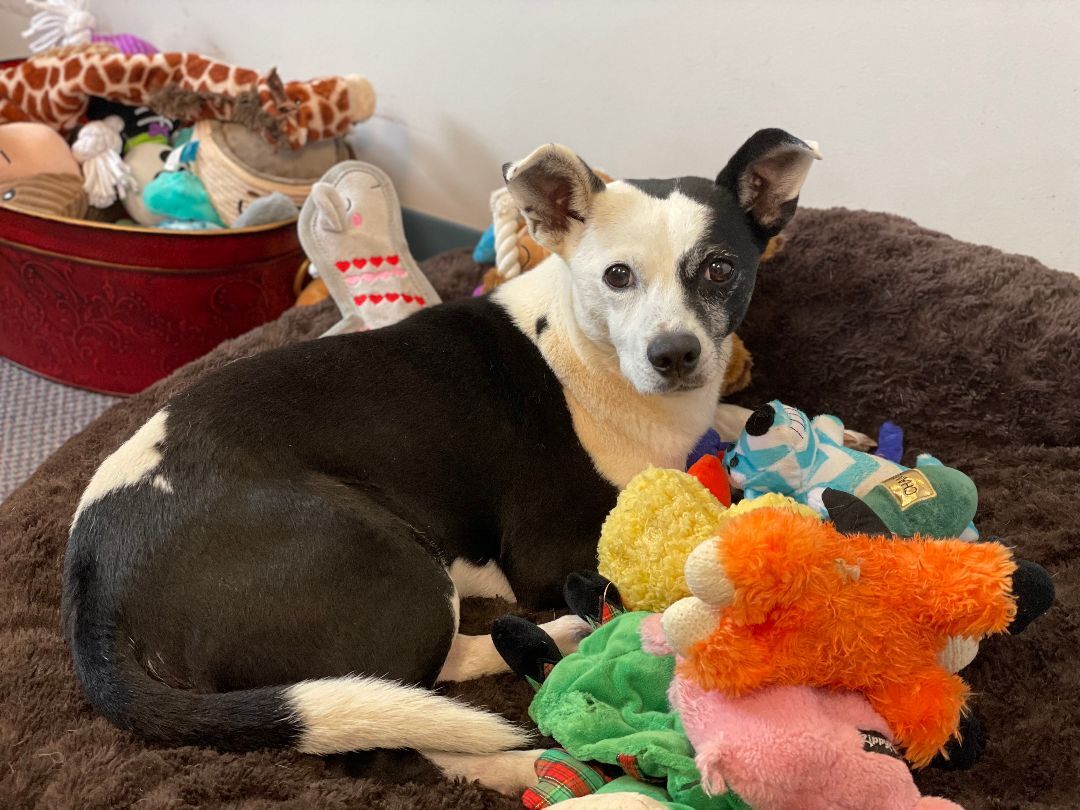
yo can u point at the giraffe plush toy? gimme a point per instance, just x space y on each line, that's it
56 86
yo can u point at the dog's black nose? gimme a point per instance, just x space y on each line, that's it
674 354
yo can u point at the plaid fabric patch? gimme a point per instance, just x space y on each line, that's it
561 777
607 611
629 763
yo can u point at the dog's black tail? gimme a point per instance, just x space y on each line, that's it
329 715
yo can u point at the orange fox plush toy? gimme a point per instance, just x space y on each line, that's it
780 598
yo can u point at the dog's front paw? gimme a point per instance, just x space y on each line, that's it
568 631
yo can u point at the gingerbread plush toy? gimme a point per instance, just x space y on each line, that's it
55 87
785 599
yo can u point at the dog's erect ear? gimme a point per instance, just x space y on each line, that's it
554 189
766 175
329 206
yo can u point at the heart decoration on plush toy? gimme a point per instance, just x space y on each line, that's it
352 221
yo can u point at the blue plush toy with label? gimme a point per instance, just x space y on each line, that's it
783 450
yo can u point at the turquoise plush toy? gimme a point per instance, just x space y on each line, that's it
179 196
782 450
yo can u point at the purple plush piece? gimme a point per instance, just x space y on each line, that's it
890 441
710 444
127 43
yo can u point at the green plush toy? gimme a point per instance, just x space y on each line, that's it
932 500
179 196
608 703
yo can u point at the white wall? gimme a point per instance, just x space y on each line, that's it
962 115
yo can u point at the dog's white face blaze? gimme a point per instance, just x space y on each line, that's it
649 235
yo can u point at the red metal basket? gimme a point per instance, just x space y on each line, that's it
114 308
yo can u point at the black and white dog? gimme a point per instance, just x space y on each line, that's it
242 575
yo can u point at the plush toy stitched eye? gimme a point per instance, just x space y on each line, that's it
618 276
8 195
718 269
734 462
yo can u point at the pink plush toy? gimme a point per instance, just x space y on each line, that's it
793 747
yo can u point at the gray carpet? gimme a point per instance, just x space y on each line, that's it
36 417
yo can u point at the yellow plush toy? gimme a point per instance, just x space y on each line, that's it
659 518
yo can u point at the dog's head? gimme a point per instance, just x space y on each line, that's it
662 270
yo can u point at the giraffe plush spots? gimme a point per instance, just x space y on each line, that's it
55 87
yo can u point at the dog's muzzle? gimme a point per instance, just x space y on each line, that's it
674 355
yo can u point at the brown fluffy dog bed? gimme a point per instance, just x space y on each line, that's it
975 353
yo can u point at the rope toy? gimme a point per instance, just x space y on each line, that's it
60 23
106 178
506 219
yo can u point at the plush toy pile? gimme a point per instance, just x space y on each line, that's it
109 128
798 649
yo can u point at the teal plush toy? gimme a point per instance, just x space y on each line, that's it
179 196
782 450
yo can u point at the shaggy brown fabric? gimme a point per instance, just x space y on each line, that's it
868 316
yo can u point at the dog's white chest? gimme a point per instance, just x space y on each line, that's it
641 436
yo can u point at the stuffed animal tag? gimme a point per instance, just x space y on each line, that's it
909 487
877 743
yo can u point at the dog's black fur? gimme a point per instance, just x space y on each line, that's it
316 502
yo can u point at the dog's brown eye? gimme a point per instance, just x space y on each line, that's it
618 276
719 270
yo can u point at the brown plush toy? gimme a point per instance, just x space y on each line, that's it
38 171
56 193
